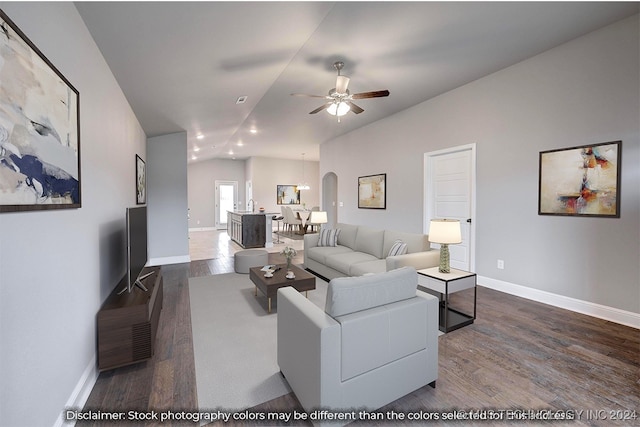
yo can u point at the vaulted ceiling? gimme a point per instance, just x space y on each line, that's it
183 65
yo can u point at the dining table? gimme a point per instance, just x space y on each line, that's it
303 215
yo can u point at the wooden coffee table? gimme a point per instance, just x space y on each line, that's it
269 286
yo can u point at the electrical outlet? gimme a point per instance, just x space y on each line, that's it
501 264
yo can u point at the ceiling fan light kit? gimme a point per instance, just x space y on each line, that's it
338 109
340 99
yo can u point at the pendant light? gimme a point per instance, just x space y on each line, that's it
303 185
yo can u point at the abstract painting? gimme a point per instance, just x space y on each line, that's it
288 195
372 192
581 181
39 128
141 181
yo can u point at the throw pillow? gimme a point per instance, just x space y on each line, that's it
398 248
328 237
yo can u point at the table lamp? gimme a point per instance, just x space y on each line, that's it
318 217
444 232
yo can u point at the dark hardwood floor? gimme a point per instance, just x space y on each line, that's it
519 355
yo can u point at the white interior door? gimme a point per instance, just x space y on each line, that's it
450 193
226 200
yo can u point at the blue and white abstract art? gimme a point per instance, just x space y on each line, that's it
39 128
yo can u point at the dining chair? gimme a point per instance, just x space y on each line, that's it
290 218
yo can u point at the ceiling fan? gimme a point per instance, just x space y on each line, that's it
340 99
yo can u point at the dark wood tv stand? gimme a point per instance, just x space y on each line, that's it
127 323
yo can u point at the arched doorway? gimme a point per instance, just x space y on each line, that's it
330 197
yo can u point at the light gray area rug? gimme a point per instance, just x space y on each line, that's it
234 342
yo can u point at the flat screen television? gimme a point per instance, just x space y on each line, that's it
136 223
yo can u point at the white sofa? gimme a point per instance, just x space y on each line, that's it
376 341
361 250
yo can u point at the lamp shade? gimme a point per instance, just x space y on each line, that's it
318 217
338 109
445 231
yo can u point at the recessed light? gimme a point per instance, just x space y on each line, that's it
194 157
240 144
196 149
200 136
241 99
253 131
231 152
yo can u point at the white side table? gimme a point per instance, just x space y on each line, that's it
431 279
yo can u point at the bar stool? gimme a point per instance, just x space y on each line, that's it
278 219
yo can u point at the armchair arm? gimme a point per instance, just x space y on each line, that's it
433 323
308 350
418 260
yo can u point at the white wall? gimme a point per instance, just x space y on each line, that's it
267 173
585 91
56 267
167 199
201 177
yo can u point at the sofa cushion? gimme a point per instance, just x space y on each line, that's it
370 241
368 267
347 235
328 237
320 253
343 261
415 242
351 294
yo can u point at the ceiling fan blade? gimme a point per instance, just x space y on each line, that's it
342 82
323 107
354 107
311 96
373 94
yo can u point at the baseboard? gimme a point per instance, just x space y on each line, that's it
81 392
181 259
203 229
612 314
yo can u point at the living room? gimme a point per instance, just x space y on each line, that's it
57 267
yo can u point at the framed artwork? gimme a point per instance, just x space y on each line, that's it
581 181
141 181
39 128
372 192
288 195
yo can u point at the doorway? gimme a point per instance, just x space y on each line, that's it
226 200
450 192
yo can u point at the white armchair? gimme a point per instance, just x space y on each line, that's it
376 341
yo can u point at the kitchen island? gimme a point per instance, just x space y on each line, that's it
250 229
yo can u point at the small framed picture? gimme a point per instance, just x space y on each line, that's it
287 195
141 181
372 192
